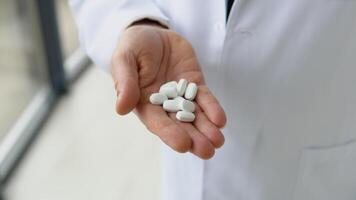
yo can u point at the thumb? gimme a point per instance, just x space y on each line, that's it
124 73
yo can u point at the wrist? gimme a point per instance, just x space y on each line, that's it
148 22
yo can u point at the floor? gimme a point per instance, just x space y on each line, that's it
87 152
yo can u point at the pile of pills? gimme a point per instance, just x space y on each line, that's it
177 97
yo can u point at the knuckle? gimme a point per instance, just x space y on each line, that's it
207 153
205 149
217 138
180 146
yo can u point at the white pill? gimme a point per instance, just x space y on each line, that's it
158 98
171 106
170 84
179 99
170 92
191 91
187 105
181 86
185 116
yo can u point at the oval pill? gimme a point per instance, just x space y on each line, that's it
170 84
179 99
187 105
171 106
170 92
181 86
185 116
158 98
191 91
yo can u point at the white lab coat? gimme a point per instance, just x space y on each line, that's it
285 71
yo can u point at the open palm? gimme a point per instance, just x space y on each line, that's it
145 58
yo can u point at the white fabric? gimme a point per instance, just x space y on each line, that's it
100 23
285 71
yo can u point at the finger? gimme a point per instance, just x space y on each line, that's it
206 127
159 123
201 146
210 106
124 73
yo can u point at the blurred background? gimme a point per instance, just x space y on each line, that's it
59 135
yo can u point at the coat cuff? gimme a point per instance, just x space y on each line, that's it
105 40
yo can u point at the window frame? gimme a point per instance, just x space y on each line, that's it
62 73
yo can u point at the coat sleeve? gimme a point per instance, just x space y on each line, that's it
100 23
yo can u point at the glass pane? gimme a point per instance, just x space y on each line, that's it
22 66
67 28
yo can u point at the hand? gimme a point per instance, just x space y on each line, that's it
148 56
